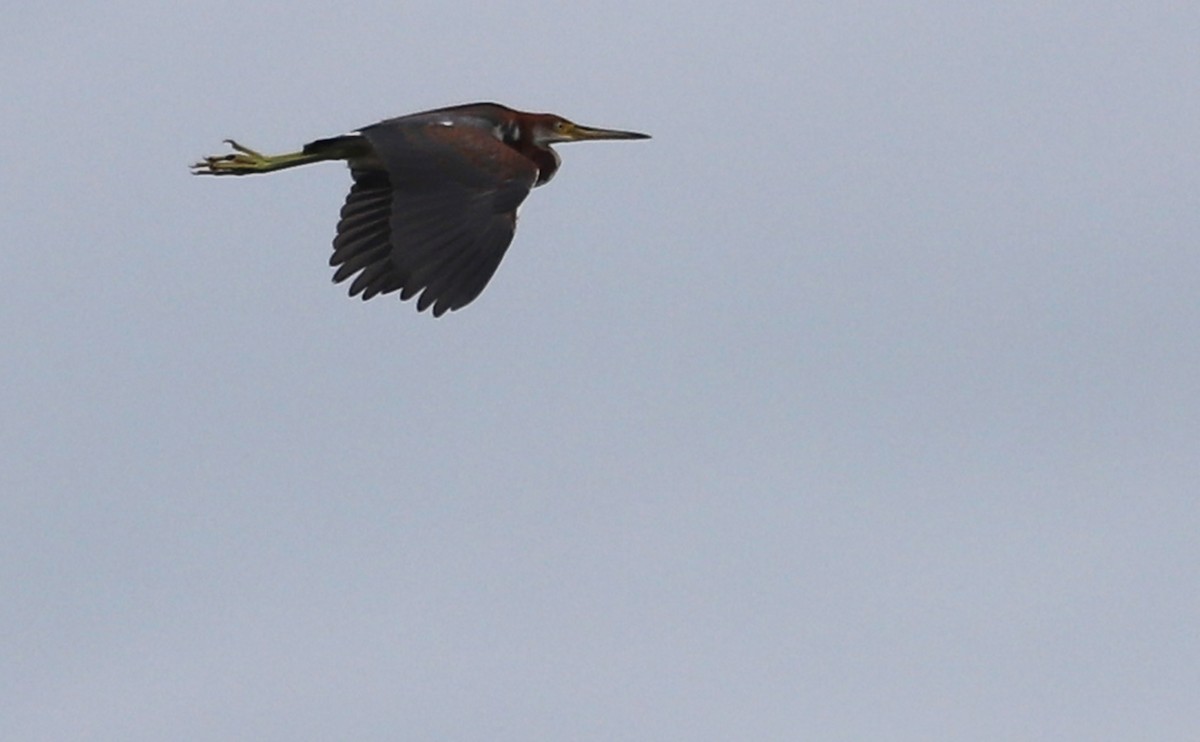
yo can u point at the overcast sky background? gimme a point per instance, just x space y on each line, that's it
861 403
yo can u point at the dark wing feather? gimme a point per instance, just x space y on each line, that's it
437 219
363 242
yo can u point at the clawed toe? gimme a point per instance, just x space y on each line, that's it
244 150
240 162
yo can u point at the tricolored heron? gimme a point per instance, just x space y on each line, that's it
433 206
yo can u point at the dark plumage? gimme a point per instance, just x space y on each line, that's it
433 206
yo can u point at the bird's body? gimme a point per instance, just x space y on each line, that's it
433 206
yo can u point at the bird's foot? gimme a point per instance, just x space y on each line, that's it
242 161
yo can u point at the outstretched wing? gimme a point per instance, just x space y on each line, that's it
431 212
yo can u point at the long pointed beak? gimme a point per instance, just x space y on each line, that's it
587 134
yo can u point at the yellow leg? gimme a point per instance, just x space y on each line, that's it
245 161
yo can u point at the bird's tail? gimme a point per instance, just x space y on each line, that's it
341 147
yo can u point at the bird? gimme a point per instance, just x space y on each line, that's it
433 203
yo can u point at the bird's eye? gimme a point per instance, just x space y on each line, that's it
562 127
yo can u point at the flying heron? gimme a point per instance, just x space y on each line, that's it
433 206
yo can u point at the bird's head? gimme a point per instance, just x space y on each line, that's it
547 128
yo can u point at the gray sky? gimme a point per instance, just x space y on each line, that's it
862 402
